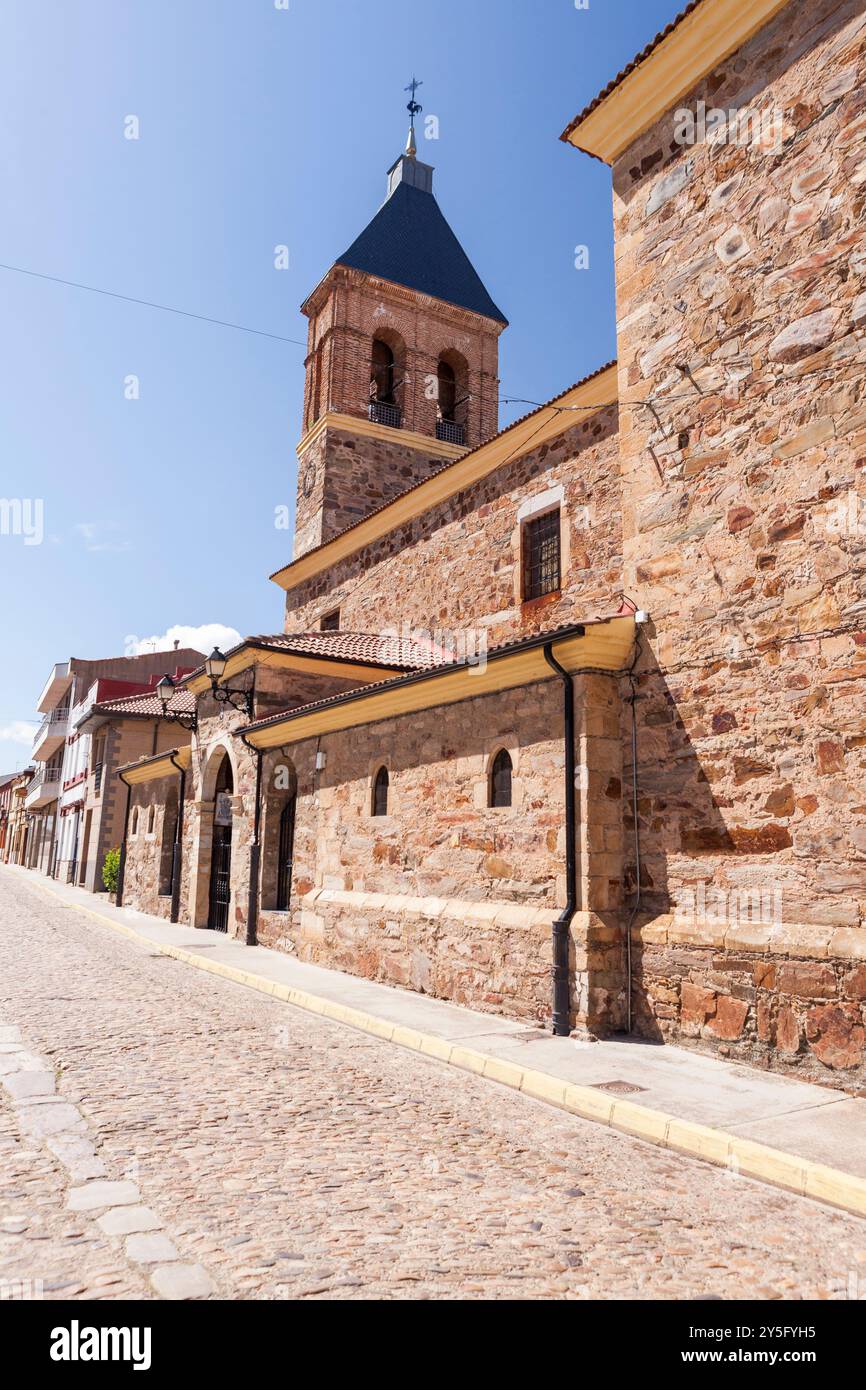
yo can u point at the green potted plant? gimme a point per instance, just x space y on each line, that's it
110 870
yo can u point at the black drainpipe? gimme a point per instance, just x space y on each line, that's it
561 925
121 868
255 851
177 847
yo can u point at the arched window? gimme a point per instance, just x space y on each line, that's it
380 792
500 779
134 828
447 392
151 817
382 373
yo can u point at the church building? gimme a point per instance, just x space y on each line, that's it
566 720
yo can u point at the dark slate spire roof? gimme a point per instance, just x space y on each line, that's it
409 243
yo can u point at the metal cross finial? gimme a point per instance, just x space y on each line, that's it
414 107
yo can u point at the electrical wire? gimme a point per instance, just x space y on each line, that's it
149 304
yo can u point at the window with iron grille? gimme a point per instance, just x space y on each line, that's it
541 559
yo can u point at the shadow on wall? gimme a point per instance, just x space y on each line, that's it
682 833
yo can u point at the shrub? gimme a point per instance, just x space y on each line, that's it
110 869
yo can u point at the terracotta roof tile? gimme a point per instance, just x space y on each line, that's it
368 648
550 635
147 706
373 649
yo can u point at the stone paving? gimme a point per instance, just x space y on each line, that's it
265 1153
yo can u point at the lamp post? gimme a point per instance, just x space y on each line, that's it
165 689
225 694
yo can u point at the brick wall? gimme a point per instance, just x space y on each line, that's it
337 483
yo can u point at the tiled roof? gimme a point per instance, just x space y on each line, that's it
370 648
629 68
409 243
534 639
366 648
147 706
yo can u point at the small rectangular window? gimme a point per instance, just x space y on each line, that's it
541 558
330 622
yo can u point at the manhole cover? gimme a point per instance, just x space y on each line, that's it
617 1088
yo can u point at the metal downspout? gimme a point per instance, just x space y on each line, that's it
562 924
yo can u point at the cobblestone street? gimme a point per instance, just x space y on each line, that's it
280 1156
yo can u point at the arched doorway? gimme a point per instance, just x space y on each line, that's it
221 849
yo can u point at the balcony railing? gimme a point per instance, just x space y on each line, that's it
52 722
381 413
450 432
51 731
43 786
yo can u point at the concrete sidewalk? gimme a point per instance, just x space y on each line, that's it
803 1137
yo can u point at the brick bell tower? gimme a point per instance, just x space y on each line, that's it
402 360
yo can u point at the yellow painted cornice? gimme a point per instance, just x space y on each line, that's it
559 415
151 769
357 424
605 646
701 40
247 656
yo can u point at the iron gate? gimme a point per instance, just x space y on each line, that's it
220 878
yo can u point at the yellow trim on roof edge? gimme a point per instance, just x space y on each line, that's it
335 420
698 44
588 396
151 769
252 655
605 646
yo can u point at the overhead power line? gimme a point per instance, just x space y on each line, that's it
149 304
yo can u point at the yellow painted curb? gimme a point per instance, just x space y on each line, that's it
742 1156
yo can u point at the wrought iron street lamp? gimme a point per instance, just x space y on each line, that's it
225 694
165 689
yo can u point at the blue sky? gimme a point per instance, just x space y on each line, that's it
258 126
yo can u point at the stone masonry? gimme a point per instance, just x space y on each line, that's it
341 479
458 566
725 499
741 305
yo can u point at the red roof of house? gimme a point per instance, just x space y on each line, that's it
147 706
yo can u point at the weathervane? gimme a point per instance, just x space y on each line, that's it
413 107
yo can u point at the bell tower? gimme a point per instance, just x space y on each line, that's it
402 367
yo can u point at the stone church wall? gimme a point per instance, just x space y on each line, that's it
446 894
741 310
456 569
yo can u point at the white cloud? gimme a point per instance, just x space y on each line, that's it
95 535
17 731
203 639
